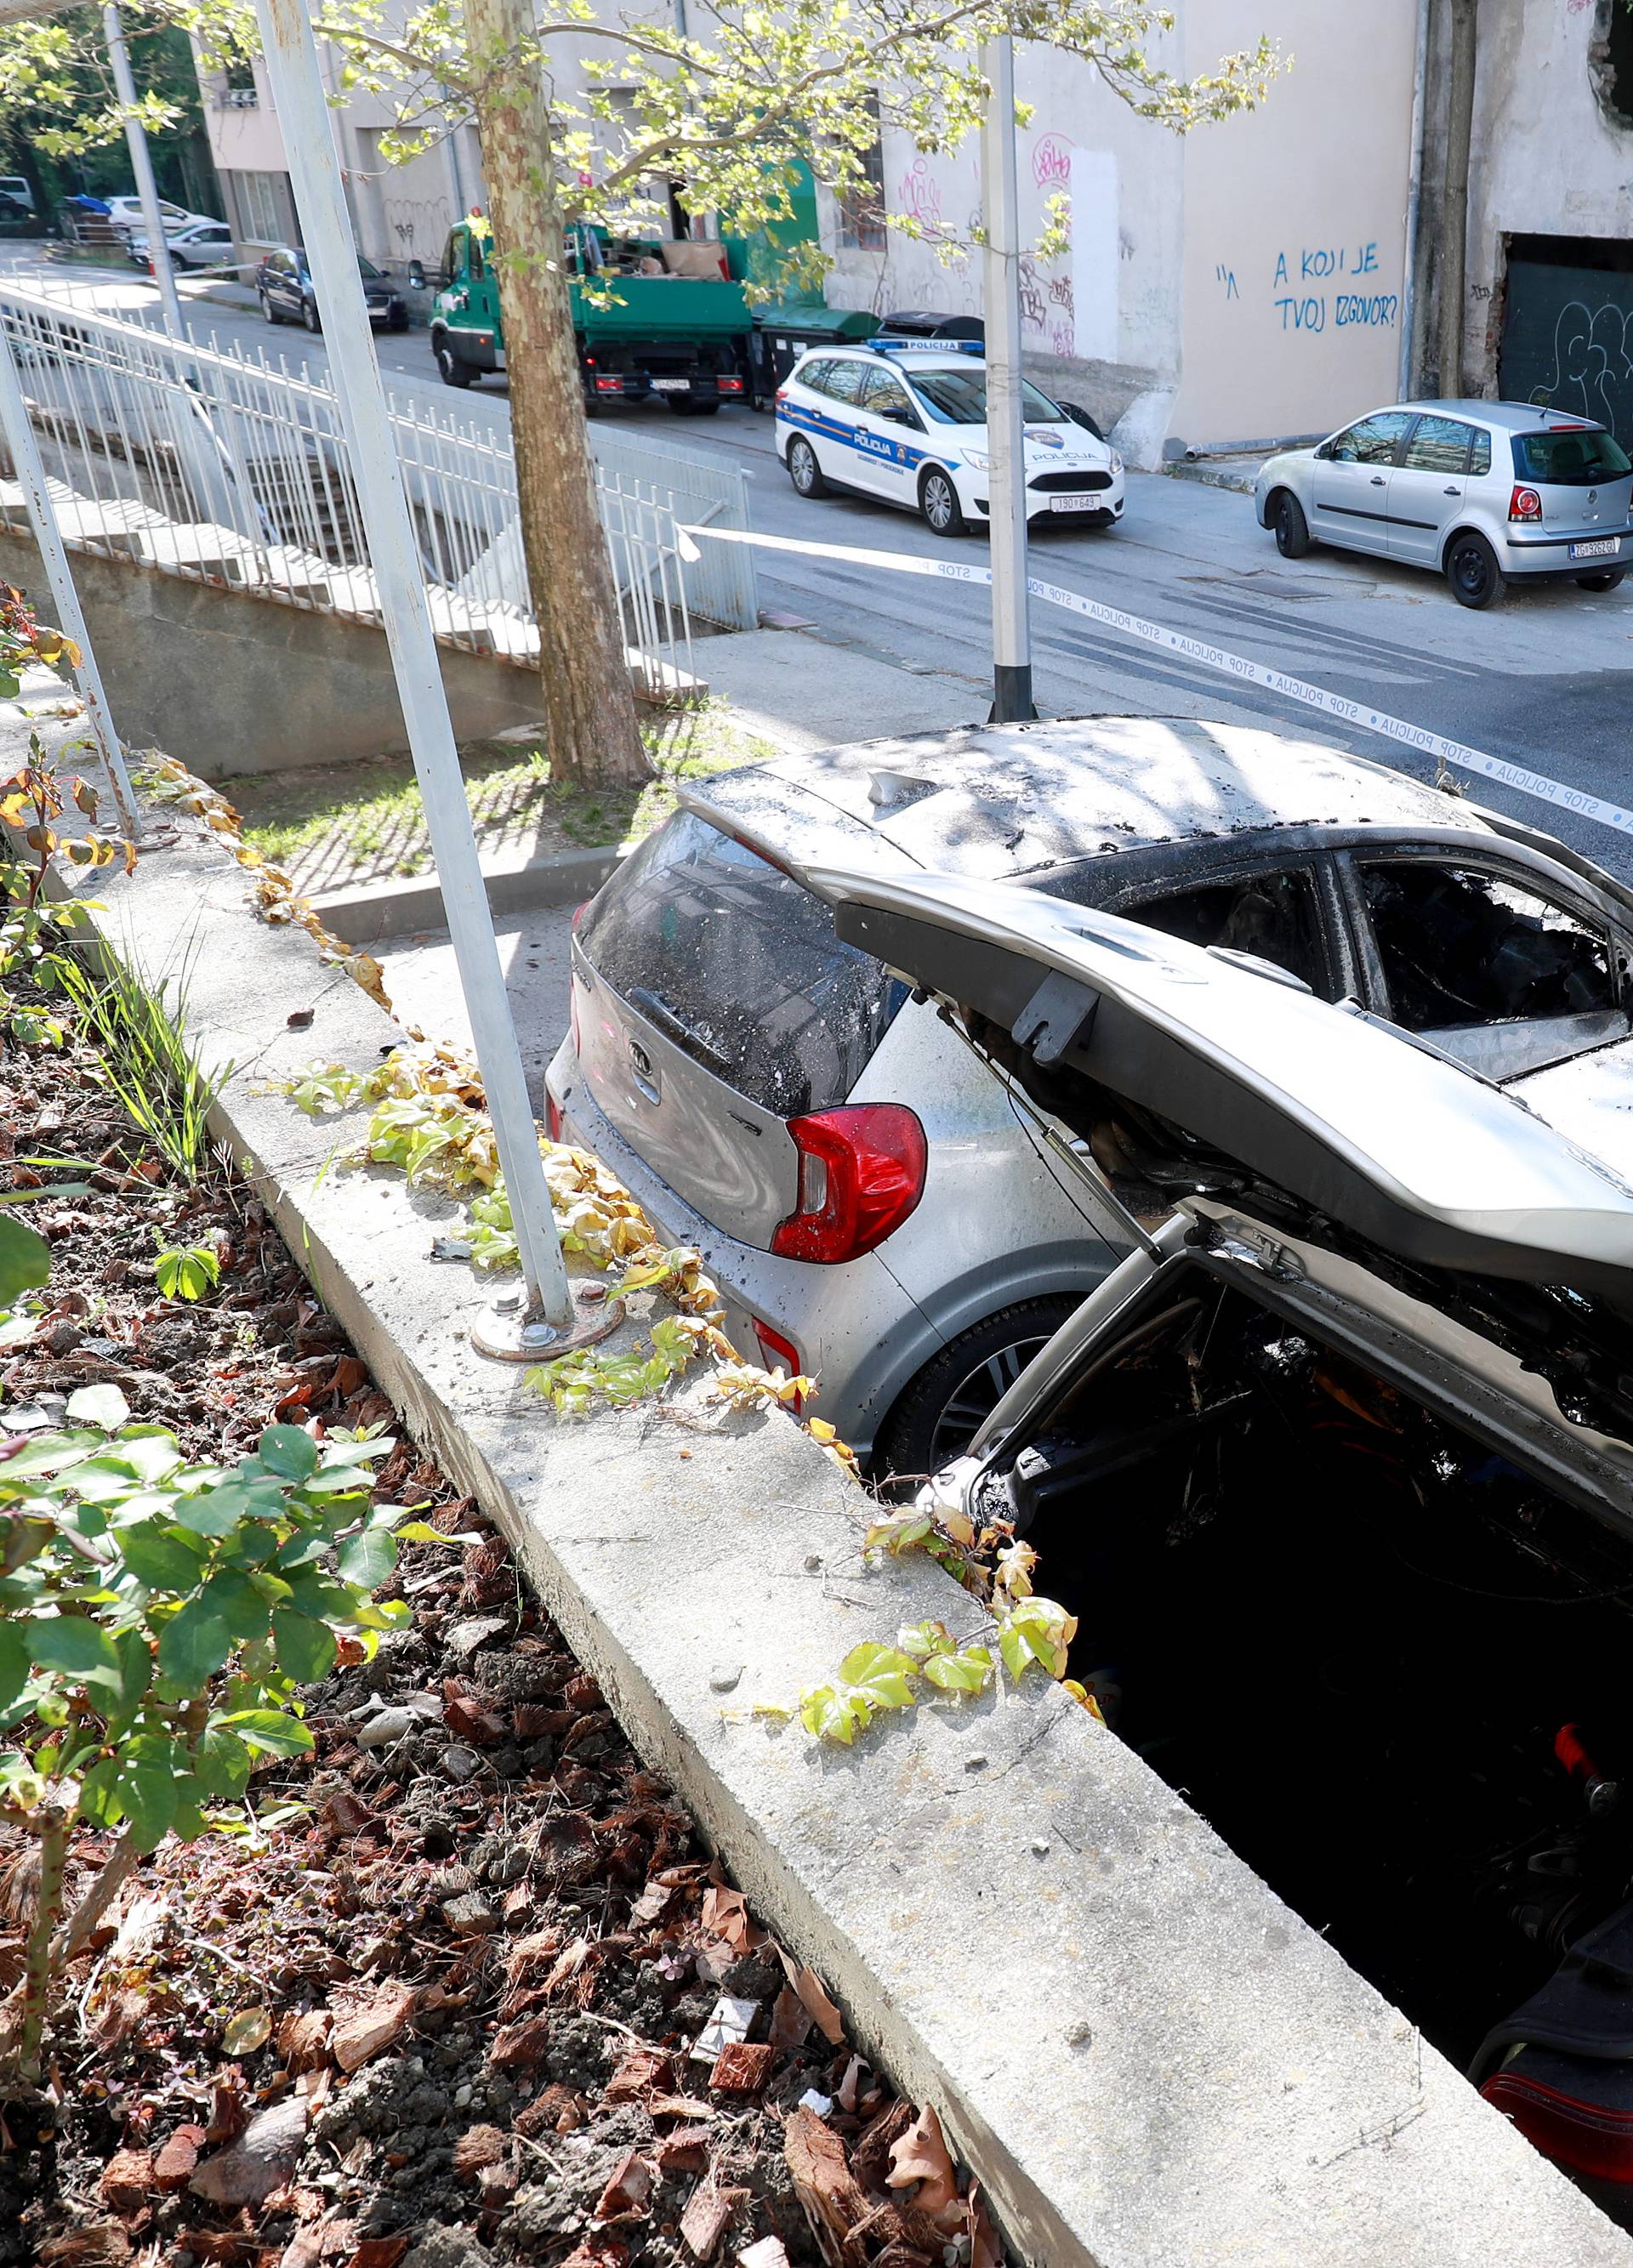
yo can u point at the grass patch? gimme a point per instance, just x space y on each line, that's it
330 825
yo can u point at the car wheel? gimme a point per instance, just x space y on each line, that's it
1292 529
269 313
1606 581
309 315
938 501
937 1416
398 321
803 469
1473 571
450 369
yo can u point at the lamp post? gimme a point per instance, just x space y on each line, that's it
1006 438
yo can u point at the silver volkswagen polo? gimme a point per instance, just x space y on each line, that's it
1479 490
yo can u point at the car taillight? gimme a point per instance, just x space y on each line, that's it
780 1354
731 385
552 1116
1525 503
578 913
782 394
608 385
861 1173
1595 2139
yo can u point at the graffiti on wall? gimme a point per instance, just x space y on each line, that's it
1332 306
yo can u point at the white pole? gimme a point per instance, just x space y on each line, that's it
1006 441
142 168
24 453
304 114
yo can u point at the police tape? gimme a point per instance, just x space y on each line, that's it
1361 713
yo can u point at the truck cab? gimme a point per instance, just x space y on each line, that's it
652 318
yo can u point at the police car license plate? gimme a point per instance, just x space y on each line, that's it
1603 547
1079 500
671 386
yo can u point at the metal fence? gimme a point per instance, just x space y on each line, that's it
206 460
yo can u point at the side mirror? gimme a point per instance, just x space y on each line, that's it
899 415
1325 452
417 273
1079 415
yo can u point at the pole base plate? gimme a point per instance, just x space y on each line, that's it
508 1333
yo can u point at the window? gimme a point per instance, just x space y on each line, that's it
1373 441
1571 457
958 397
1274 916
886 396
815 375
844 381
263 202
1460 946
450 267
739 966
1438 445
861 207
1480 454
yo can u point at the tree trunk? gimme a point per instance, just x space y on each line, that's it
1454 203
588 703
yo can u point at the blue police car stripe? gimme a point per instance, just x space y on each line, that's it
879 446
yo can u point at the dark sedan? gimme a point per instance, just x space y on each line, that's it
285 288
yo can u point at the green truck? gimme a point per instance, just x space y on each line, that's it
646 327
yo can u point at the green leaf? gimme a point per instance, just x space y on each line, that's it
217 1510
882 1673
195 1642
306 1649
14 1663
186 1275
968 1672
287 1451
233 1596
25 1260
222 1763
1035 1631
899 1532
368 1558
100 1405
159 1558
73 1647
832 1712
271 1731
136 1670
49 1453
144 1784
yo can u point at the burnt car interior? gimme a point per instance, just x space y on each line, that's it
1386 1664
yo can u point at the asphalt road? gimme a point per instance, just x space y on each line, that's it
1542 679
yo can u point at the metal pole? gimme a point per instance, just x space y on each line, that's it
1006 440
142 168
304 114
25 451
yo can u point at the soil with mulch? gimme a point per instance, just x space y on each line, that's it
482 1996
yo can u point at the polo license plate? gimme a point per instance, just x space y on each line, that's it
671 386
1603 547
1079 500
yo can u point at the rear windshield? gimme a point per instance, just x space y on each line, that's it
958 397
739 965
1574 458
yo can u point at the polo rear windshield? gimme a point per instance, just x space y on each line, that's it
1571 457
740 967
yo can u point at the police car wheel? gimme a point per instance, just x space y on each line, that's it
938 501
804 471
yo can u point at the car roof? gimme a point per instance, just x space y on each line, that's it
998 800
1515 417
914 356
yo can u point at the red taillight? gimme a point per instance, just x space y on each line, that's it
731 385
782 394
552 1116
578 913
608 385
861 1173
779 1354
1525 503
1590 2138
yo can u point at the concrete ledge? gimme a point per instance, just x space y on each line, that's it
377 910
1147 2059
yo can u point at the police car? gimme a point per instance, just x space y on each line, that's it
906 420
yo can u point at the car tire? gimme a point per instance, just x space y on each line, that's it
1606 581
938 501
450 369
936 1416
1292 529
309 315
269 313
1473 571
399 321
803 469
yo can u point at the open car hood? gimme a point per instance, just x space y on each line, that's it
1184 1072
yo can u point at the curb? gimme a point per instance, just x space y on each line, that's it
1211 476
367 916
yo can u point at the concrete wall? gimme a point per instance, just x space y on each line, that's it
229 683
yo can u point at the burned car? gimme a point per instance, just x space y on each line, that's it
1335 1469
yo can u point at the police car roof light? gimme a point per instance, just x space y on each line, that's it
922 346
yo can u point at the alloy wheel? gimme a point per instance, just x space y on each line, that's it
976 1396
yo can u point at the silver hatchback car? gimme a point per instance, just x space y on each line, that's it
1479 490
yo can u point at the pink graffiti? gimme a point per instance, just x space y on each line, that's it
1060 292
917 194
1052 162
1063 338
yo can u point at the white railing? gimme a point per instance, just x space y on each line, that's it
205 460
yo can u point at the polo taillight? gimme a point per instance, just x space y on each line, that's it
1592 2136
1525 503
861 1173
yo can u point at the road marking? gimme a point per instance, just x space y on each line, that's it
1445 751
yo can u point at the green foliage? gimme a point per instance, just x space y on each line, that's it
186 1272
33 933
25 1260
871 1678
130 1579
136 1029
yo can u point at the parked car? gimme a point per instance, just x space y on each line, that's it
126 215
1481 491
202 244
17 199
906 421
1336 1470
878 1210
285 288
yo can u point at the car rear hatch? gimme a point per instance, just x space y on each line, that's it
1581 476
713 1002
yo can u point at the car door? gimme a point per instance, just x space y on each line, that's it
887 455
1273 914
1491 963
834 438
1349 481
1426 487
282 284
